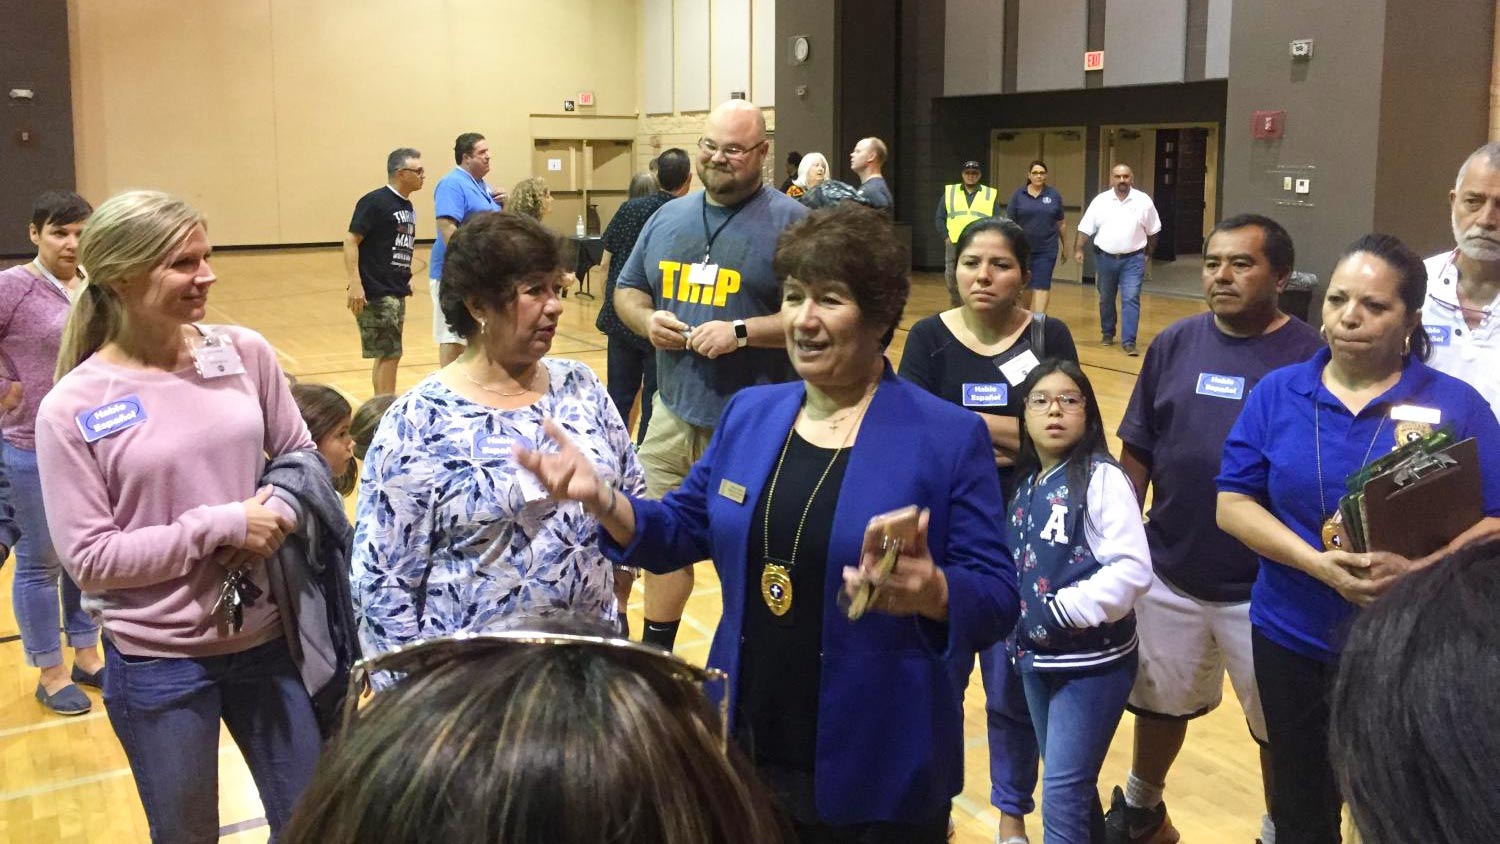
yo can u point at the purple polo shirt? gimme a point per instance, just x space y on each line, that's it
1192 386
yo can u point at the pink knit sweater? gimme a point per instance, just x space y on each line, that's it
32 313
140 515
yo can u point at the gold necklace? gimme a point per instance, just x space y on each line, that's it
529 384
834 420
775 576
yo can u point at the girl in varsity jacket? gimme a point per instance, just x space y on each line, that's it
1074 525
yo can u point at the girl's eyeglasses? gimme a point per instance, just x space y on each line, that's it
1069 402
431 653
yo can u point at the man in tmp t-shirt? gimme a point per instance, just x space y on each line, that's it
377 260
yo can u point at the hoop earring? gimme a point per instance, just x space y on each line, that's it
1406 347
482 327
1323 333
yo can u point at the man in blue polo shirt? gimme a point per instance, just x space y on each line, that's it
1194 623
459 195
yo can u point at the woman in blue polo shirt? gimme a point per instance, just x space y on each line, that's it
1038 207
1304 429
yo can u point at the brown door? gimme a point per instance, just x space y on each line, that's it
1164 192
1192 175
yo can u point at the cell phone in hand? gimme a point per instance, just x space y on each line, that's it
890 533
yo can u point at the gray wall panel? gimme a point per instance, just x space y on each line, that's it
1216 65
692 71
974 60
1050 45
1145 42
657 49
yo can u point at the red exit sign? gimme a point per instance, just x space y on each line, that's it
1093 60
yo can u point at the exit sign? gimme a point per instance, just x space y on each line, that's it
1093 60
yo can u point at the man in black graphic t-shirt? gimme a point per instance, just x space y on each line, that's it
377 259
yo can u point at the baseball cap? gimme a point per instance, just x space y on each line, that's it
972 165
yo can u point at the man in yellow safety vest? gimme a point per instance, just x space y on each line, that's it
962 204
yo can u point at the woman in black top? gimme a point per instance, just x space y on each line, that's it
975 356
856 725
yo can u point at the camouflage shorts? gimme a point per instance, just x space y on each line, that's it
380 326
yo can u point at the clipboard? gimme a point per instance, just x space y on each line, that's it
1421 504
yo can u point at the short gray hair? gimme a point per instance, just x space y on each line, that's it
1490 151
397 158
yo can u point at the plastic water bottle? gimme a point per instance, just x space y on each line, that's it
580 225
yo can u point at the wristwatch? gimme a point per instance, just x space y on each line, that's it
741 334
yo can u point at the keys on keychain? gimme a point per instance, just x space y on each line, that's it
235 593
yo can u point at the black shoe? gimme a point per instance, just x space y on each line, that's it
1107 340
1125 824
1129 349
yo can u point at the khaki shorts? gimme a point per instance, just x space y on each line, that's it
671 448
380 325
1186 647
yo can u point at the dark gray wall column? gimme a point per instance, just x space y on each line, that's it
33 55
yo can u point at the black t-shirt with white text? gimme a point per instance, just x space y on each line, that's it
388 225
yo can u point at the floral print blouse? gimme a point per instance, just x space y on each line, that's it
452 535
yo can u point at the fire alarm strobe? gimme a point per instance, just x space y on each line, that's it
1266 125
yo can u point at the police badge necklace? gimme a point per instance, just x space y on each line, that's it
776 575
1331 523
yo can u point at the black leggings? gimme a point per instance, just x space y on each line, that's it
1294 689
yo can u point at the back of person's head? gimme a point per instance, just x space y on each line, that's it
641 184
59 208
527 197
366 421
1416 717
673 169
536 743
324 410
127 236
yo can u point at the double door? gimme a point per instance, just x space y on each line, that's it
1062 147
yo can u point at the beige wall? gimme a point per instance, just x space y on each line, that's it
274 116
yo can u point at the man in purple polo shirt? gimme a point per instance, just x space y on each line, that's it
1194 623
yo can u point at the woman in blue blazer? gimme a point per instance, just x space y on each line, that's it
855 725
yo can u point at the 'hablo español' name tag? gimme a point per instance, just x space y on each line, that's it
111 418
1230 387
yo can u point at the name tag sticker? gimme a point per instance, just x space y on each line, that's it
1439 335
111 418
1016 369
1221 386
497 446
986 395
732 491
1413 413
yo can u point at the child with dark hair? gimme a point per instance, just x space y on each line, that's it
366 420
1083 560
327 414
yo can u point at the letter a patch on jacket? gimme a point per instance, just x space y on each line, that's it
1056 529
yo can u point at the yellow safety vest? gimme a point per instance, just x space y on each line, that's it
958 216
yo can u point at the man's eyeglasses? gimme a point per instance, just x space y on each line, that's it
1069 402
733 152
431 653
420 171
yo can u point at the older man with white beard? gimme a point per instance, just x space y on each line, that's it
1463 285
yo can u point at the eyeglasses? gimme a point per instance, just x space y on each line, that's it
432 653
1069 402
420 171
733 152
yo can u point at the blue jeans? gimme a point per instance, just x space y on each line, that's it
39 574
1124 275
1013 749
1076 716
166 713
628 366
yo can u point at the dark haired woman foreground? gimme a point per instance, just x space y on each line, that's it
450 535
1304 429
855 725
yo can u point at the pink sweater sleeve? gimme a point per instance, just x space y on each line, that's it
285 430
97 554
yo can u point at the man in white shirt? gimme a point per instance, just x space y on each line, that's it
1463 285
1122 223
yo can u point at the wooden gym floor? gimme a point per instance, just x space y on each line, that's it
66 781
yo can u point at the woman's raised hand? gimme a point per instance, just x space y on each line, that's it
566 474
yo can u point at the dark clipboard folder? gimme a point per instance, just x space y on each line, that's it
1423 502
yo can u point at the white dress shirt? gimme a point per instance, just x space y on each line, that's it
1120 227
1471 355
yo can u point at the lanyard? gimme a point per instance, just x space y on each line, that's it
47 274
708 245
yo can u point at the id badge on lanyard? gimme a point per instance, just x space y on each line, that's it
216 357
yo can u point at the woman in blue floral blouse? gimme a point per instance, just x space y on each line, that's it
450 534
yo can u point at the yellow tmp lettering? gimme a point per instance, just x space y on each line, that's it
728 282
669 270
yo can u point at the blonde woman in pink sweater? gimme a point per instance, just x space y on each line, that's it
151 446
